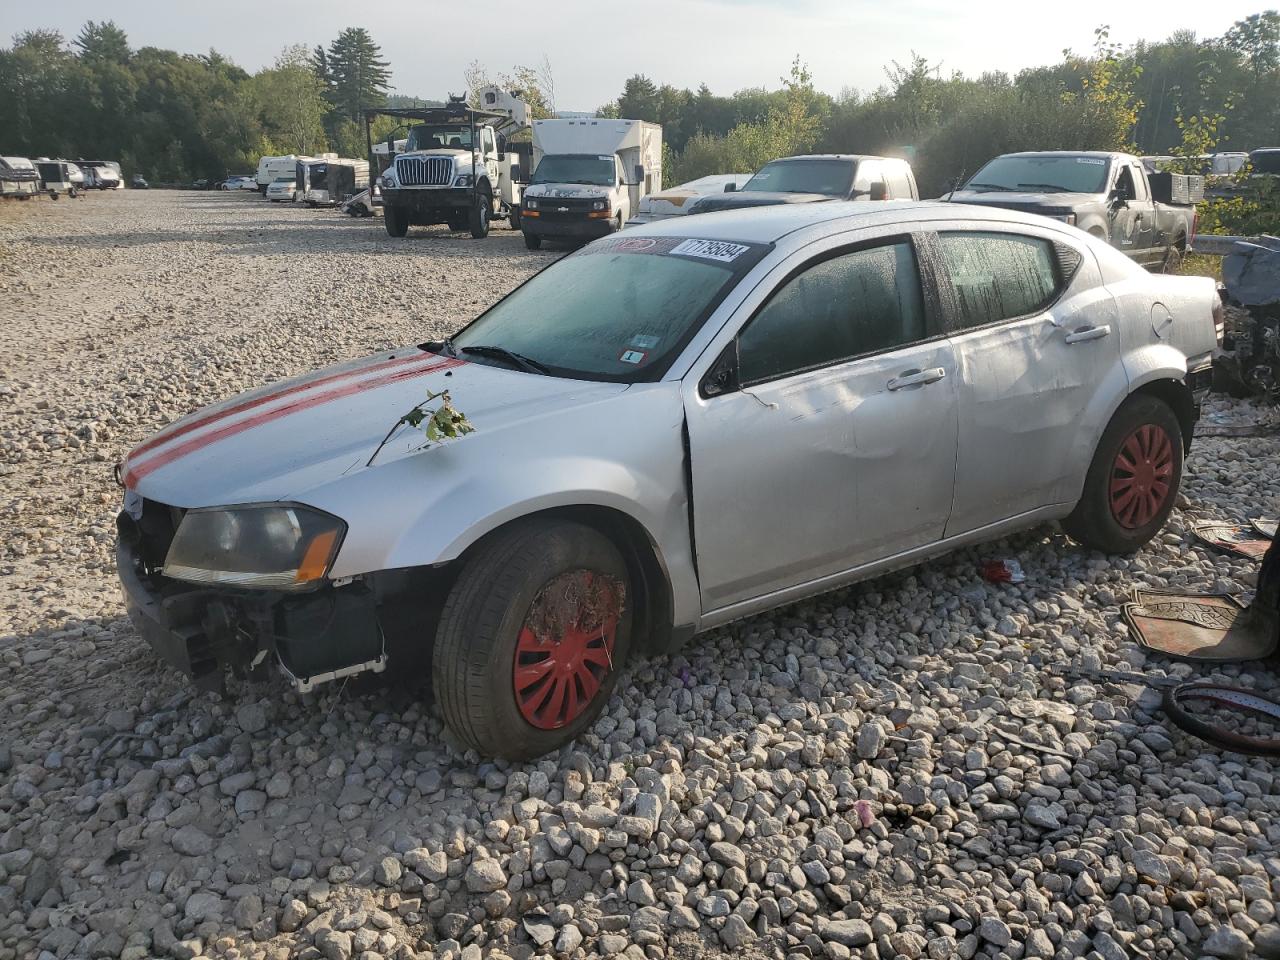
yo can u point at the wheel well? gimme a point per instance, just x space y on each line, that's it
653 609
1177 396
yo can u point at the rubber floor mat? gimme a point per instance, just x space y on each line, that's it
1210 627
1242 539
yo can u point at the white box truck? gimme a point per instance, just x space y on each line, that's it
273 168
589 175
328 182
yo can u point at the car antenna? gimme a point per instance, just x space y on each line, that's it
955 184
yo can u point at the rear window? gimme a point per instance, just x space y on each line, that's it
998 276
619 309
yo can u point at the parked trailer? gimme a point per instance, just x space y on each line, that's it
273 168
329 182
102 174
18 178
60 176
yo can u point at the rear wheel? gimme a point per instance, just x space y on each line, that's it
513 218
531 638
396 220
458 222
1172 262
481 212
532 241
1133 480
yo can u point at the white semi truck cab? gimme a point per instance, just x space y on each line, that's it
454 168
589 176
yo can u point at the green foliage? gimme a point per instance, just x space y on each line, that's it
354 74
536 86
442 423
289 100
1252 209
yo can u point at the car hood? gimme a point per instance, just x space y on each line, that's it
753 198
1017 201
578 191
279 441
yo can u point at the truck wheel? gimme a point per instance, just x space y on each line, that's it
396 221
1133 480
532 638
617 222
532 241
479 215
1172 262
513 218
458 222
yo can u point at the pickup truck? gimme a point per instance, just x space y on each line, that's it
818 177
1109 195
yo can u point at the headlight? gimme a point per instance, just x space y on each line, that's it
463 181
531 203
270 547
600 205
387 180
1064 217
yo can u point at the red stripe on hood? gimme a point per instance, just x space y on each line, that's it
134 474
178 430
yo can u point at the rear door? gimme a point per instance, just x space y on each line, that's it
834 443
1038 357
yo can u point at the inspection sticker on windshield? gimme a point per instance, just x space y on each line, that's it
633 356
1100 163
710 250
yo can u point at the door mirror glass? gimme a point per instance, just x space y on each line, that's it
730 187
879 191
639 178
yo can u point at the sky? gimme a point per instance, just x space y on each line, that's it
595 45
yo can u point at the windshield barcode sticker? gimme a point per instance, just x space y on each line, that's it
710 250
1092 160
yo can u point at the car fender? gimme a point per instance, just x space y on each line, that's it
1138 369
428 508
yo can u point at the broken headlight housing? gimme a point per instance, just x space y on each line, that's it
265 547
463 181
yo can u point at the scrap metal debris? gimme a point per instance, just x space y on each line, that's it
1246 540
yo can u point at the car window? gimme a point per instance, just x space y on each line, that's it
1139 182
998 276
857 303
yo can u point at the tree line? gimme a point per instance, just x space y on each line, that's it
172 116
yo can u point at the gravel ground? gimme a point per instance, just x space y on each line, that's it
889 770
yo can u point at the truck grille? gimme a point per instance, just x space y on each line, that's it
424 171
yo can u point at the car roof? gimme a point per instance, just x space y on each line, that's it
837 156
1096 154
769 224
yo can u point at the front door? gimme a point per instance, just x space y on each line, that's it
1035 361
836 444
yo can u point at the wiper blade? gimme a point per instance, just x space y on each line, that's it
1057 187
527 364
987 186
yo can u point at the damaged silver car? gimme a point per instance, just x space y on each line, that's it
673 428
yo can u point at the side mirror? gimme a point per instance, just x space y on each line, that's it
639 173
730 188
878 191
502 156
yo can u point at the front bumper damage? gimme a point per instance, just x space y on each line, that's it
206 632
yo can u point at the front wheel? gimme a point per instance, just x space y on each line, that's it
1133 480
513 218
481 212
531 638
395 220
532 241
1172 262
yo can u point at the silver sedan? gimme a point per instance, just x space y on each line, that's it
667 430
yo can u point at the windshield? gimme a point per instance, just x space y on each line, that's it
596 170
615 310
1265 161
832 177
1042 175
449 136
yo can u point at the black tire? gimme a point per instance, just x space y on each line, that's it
458 223
1104 519
513 218
1172 262
617 223
479 215
396 221
474 658
532 241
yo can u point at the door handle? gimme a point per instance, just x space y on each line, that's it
1087 333
915 378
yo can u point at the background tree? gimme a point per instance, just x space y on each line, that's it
357 74
290 102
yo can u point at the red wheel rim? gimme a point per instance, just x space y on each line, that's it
564 651
1141 476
